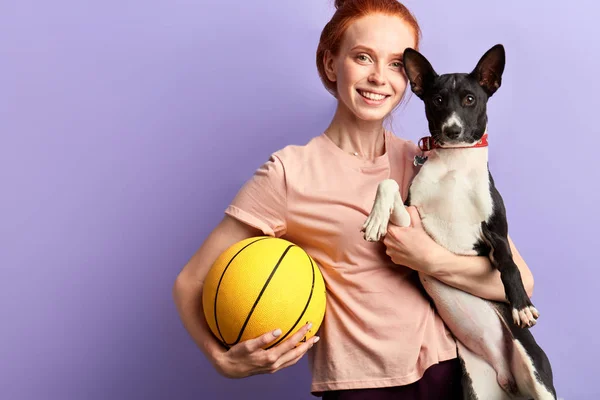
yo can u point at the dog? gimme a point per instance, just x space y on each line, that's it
462 210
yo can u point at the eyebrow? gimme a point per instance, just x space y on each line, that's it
360 46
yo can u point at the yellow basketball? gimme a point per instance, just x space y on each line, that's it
261 284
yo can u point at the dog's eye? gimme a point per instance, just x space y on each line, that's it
438 100
469 100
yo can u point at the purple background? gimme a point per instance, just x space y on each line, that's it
127 127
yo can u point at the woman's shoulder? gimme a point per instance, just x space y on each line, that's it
401 142
293 153
402 147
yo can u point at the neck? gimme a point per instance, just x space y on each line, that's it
355 136
461 159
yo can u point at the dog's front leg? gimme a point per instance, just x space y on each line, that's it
388 207
523 312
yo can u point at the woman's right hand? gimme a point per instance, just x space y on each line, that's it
249 358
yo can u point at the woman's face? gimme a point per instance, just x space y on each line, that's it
368 69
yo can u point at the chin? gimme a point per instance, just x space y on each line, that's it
371 114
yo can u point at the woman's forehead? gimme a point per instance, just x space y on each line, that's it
381 33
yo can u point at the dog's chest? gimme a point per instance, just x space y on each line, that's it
452 193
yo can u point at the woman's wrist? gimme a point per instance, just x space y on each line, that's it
438 261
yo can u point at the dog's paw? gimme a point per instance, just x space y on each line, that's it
375 227
525 317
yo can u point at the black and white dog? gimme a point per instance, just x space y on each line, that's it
462 210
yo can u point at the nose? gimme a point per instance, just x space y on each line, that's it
377 77
452 131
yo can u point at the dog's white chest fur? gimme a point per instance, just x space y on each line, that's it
452 194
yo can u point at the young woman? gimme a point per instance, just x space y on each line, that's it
380 338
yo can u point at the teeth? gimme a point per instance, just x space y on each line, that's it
372 96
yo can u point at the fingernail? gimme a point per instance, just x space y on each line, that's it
277 332
309 325
316 339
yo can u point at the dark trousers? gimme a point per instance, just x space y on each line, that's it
440 382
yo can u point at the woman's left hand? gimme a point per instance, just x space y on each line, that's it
411 246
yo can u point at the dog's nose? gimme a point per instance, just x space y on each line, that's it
452 131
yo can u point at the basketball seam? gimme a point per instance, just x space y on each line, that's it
312 288
261 293
219 285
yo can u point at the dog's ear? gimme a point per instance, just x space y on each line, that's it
419 71
489 69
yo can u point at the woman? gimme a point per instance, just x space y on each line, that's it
380 337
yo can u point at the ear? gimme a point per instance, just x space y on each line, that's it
419 71
328 64
489 69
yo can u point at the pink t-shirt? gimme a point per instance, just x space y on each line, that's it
379 328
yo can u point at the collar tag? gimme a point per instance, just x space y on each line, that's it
419 160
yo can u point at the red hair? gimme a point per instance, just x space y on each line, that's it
346 12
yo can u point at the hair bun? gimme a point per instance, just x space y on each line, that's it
339 4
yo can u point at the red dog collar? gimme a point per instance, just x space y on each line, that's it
427 143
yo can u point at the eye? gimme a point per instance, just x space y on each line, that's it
438 100
363 57
397 64
469 100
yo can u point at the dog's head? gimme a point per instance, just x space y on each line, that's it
455 104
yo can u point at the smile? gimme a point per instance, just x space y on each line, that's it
371 97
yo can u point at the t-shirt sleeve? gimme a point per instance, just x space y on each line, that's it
261 202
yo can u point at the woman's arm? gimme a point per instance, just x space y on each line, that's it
475 274
414 248
187 289
247 357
